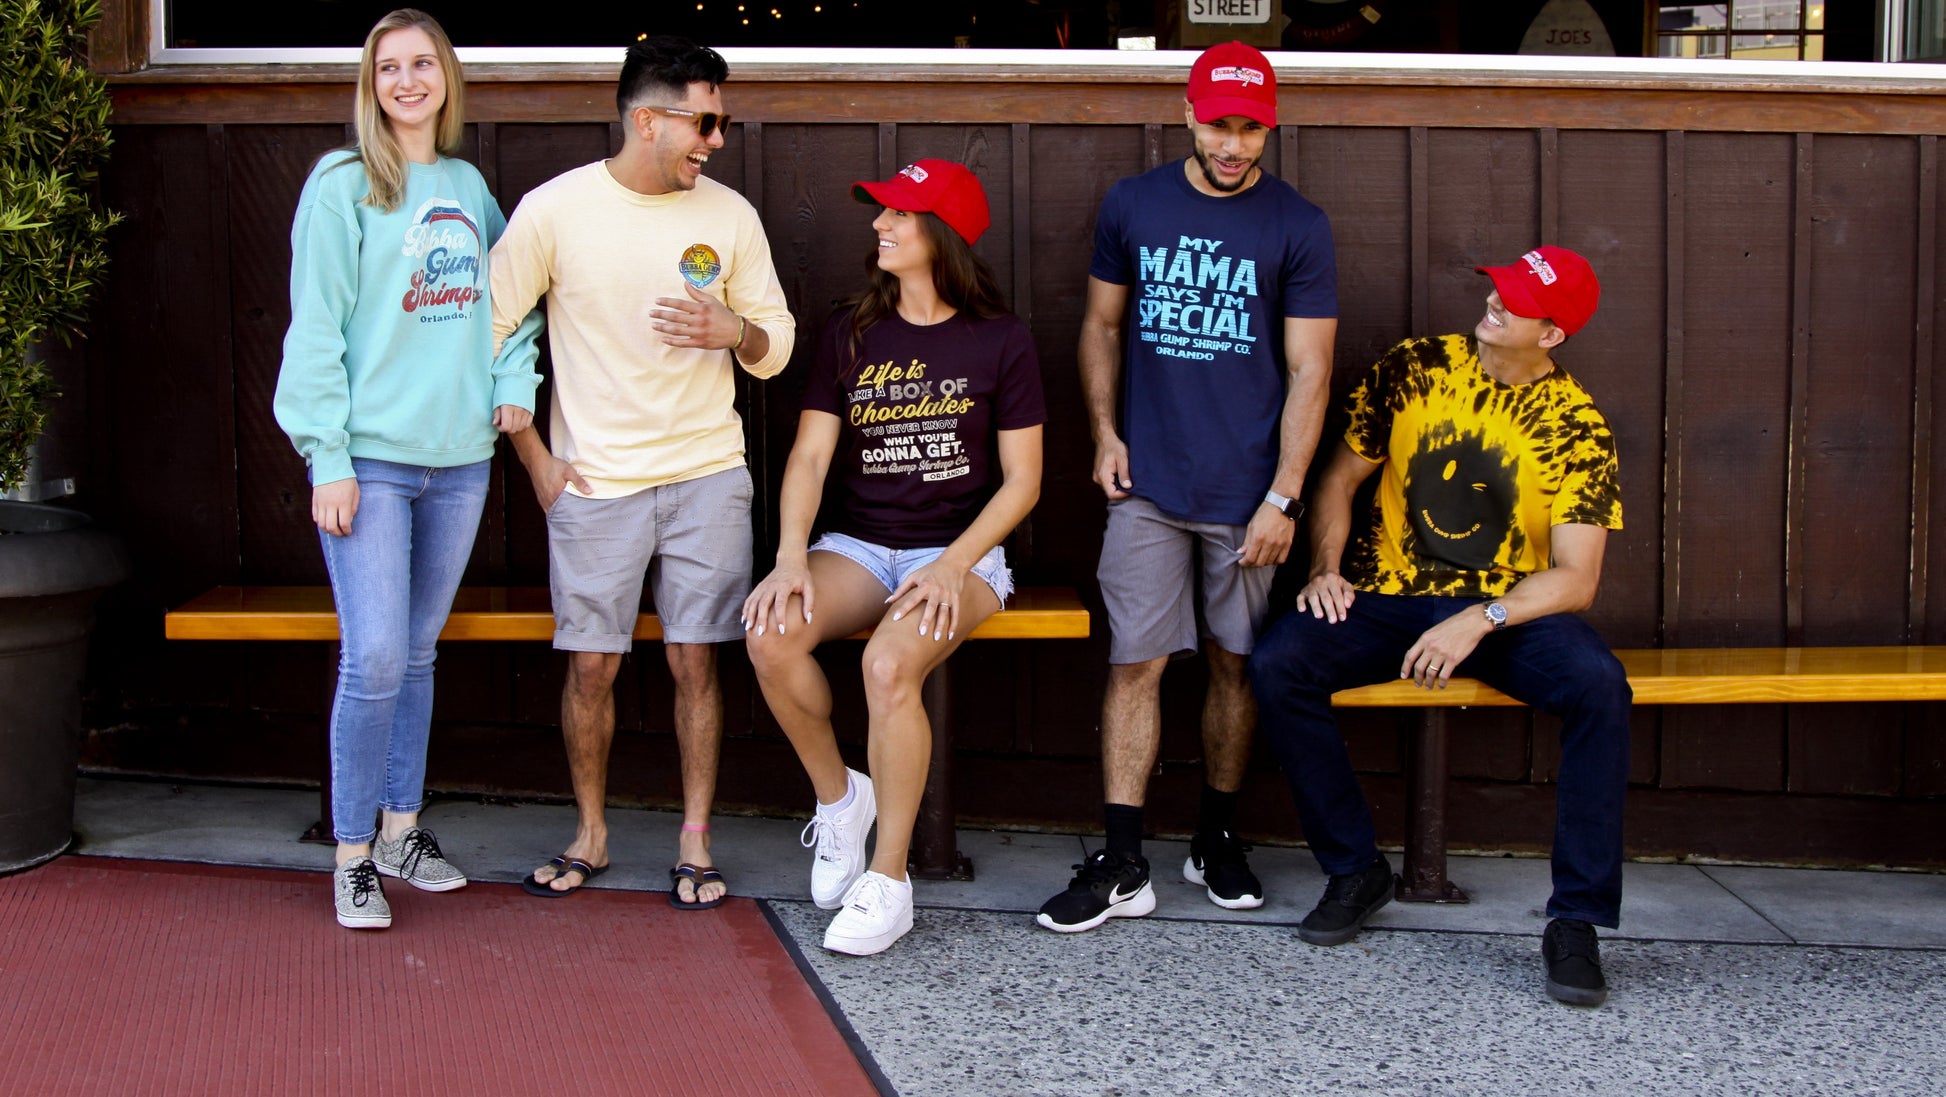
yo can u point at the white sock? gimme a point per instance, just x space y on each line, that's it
850 796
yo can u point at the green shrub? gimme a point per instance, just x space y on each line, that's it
53 232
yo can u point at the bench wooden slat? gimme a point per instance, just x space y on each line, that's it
1710 676
524 613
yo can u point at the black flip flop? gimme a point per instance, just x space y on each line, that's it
545 889
697 875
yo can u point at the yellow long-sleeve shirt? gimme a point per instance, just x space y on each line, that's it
630 412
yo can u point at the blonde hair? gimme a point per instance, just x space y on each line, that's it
378 147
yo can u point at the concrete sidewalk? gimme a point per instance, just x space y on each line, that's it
1725 979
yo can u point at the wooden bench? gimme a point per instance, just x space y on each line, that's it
1671 676
524 613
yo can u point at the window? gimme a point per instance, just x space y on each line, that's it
1771 30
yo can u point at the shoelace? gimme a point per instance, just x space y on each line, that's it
1228 850
1578 939
363 878
821 833
419 844
1098 869
1343 889
868 895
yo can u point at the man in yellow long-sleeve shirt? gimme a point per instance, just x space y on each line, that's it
659 285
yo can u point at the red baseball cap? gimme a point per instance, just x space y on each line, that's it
1548 283
1233 79
947 190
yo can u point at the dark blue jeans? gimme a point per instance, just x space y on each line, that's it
1556 664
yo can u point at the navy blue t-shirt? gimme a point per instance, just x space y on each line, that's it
1210 283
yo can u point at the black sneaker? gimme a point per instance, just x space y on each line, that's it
1108 885
1573 956
1348 901
1216 862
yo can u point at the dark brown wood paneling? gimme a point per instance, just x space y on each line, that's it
1611 210
167 464
1934 363
1858 445
1361 179
267 167
1484 208
1857 410
1736 262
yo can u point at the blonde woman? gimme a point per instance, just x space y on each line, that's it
390 393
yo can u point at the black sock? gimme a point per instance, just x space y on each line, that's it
1124 829
1218 811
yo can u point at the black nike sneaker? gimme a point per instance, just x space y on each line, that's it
1108 885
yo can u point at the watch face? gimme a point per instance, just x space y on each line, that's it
1496 613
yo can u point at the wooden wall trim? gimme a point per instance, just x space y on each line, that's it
1925 301
176 96
1419 197
1674 287
1800 392
119 43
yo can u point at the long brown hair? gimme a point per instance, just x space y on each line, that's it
378 148
962 278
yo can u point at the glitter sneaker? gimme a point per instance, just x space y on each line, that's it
415 858
360 901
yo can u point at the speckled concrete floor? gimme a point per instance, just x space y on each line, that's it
986 1003
1727 980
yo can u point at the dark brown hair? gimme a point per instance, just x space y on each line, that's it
963 279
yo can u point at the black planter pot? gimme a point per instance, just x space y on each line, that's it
54 564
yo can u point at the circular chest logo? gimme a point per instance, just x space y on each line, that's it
699 265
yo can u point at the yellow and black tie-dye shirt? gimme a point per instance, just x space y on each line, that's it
1476 472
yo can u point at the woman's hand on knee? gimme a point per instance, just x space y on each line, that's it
334 504
937 587
772 598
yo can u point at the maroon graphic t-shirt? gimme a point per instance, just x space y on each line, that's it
920 409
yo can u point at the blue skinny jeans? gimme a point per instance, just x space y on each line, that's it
393 579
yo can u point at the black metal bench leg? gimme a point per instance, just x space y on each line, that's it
1424 878
935 837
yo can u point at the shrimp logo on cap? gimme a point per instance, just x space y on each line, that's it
1237 73
914 172
699 265
1541 268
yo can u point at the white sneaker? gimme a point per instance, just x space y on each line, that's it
840 840
878 911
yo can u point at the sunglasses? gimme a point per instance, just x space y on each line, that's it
706 121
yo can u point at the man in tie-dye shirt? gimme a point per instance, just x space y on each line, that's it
1498 486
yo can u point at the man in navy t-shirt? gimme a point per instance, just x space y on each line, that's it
1205 362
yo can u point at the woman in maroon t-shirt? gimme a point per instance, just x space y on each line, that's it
927 398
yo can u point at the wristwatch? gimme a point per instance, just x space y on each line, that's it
1287 506
1496 615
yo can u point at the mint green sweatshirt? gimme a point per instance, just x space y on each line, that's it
390 349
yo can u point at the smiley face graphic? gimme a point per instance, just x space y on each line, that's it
1459 497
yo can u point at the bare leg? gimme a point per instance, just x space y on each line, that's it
847 599
1131 729
392 824
699 738
588 729
896 662
1229 717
